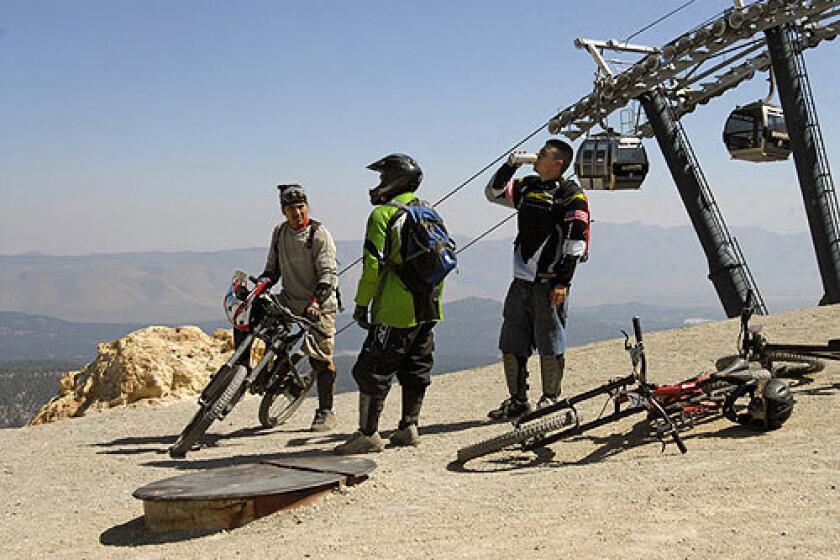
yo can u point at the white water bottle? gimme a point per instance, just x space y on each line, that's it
519 158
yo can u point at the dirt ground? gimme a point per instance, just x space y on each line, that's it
65 488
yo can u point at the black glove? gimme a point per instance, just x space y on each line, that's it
323 291
360 315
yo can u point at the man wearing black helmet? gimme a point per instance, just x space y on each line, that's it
552 235
302 257
400 341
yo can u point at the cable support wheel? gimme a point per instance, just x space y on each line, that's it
518 435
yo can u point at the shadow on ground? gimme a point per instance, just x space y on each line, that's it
513 458
134 533
160 444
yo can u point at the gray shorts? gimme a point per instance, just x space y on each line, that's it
530 321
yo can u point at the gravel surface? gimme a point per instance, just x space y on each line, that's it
65 488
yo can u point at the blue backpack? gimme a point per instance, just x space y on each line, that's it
427 250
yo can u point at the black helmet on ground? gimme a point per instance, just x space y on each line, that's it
778 403
399 174
768 410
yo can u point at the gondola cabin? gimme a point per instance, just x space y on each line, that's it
611 162
757 132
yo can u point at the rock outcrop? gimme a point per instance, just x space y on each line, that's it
143 367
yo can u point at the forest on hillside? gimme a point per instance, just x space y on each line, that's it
25 386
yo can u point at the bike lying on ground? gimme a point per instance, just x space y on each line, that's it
783 360
667 406
251 307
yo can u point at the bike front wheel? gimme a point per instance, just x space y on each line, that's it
277 406
221 391
194 430
519 435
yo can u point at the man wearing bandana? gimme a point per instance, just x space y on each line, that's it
552 236
302 257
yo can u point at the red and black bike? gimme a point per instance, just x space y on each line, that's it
668 407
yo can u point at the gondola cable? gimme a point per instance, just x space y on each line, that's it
467 181
501 157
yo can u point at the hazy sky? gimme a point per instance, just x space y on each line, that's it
160 125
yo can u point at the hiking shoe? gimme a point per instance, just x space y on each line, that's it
324 421
510 409
546 401
407 436
360 443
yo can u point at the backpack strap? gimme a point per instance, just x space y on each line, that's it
313 229
382 257
387 246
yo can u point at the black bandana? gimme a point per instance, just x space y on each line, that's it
291 194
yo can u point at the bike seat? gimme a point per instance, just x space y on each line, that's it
740 364
834 344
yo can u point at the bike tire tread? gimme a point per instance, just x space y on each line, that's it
512 437
804 364
194 430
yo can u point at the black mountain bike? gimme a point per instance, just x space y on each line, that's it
278 376
783 360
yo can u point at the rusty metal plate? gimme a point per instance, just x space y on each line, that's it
241 481
350 466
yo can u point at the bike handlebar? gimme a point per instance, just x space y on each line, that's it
286 312
309 324
749 303
637 328
672 429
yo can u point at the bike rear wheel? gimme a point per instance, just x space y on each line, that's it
279 405
220 392
513 437
785 365
790 365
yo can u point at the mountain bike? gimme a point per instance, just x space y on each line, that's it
783 360
668 407
278 376
629 395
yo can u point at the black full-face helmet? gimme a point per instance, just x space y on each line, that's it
778 403
399 174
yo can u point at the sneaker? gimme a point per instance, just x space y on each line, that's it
324 421
510 409
546 401
360 443
407 436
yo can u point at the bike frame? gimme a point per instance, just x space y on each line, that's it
278 339
632 390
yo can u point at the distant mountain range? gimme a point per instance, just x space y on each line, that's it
466 338
35 350
628 263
